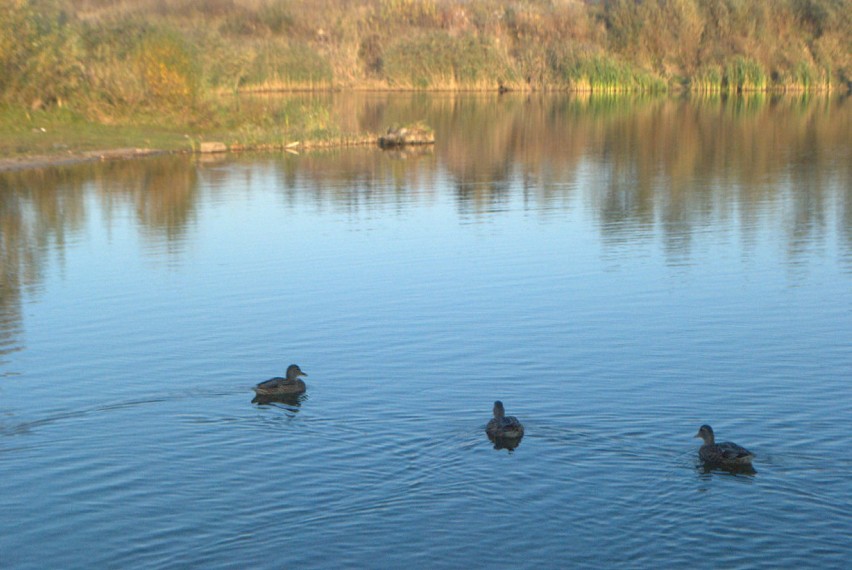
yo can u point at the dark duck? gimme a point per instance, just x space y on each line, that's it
726 454
503 426
278 386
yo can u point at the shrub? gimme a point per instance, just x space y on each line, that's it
40 55
168 68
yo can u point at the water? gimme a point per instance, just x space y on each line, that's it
617 272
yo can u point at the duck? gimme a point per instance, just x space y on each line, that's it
289 385
503 426
725 454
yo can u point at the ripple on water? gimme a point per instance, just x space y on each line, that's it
614 301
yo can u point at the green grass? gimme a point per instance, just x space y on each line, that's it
60 131
239 123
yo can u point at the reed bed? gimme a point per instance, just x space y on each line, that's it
115 61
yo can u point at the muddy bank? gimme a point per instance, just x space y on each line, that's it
47 160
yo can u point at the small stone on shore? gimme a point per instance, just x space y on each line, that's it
212 147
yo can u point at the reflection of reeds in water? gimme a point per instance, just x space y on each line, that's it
675 157
162 192
674 165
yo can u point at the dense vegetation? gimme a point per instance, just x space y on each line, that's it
168 58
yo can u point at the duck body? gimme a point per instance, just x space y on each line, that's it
503 426
292 384
724 454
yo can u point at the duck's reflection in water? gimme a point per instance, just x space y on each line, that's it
504 442
707 469
290 401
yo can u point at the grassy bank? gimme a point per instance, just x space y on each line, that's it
165 64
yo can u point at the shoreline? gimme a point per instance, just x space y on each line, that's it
36 161
171 143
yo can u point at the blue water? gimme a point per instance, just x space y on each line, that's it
614 296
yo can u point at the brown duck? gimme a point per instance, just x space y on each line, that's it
503 426
725 454
289 385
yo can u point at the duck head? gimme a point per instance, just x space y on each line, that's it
293 372
499 411
705 432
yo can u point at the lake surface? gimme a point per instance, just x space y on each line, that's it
616 271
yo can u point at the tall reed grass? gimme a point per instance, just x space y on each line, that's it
109 59
440 61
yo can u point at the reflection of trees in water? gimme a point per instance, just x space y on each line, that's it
41 210
671 165
647 167
357 180
36 218
162 192
845 218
